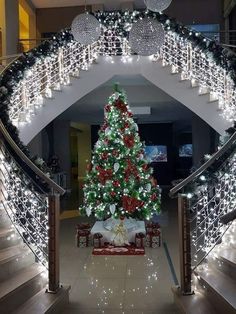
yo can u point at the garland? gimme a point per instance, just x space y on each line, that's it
122 22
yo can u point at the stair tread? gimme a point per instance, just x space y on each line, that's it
193 304
12 252
19 278
229 255
221 283
41 301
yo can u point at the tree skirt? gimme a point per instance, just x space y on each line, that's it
118 250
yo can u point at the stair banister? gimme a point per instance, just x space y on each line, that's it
53 211
187 235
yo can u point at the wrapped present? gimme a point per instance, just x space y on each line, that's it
97 240
140 240
82 238
83 226
149 227
153 238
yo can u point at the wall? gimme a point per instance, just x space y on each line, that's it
55 19
9 26
31 15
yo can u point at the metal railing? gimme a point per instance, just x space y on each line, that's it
200 211
34 213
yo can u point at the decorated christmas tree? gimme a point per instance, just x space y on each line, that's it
119 181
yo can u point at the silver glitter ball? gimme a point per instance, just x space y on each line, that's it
146 36
86 29
157 5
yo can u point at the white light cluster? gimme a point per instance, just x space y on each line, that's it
27 209
215 200
51 73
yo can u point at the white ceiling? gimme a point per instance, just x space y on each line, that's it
140 92
109 4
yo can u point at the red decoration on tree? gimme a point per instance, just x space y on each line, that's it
104 156
129 141
116 183
107 108
130 203
153 197
130 170
120 105
112 193
115 153
104 175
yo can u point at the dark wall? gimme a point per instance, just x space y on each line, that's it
52 20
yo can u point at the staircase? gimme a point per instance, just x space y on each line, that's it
20 277
214 283
23 282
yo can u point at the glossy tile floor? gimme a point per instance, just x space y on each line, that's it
120 284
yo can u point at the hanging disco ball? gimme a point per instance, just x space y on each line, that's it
146 36
85 28
157 5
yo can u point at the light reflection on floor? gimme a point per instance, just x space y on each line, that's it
118 284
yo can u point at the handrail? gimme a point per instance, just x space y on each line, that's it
208 163
16 55
28 162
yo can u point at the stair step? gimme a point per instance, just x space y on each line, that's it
8 237
227 262
21 286
44 302
196 303
13 259
219 288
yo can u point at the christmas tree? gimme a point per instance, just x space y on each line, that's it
119 181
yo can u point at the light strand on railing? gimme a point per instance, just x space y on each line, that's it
27 209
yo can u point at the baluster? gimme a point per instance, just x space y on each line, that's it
53 242
184 245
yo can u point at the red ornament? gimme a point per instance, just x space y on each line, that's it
121 105
130 203
104 175
104 156
115 153
145 167
107 108
129 141
112 193
130 170
127 125
130 114
153 197
116 183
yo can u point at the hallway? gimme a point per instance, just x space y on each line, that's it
120 284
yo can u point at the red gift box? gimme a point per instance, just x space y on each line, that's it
153 238
139 240
97 240
82 238
83 226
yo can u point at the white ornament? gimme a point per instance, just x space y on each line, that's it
141 156
88 211
116 167
146 36
157 5
140 189
148 187
112 208
107 131
85 28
